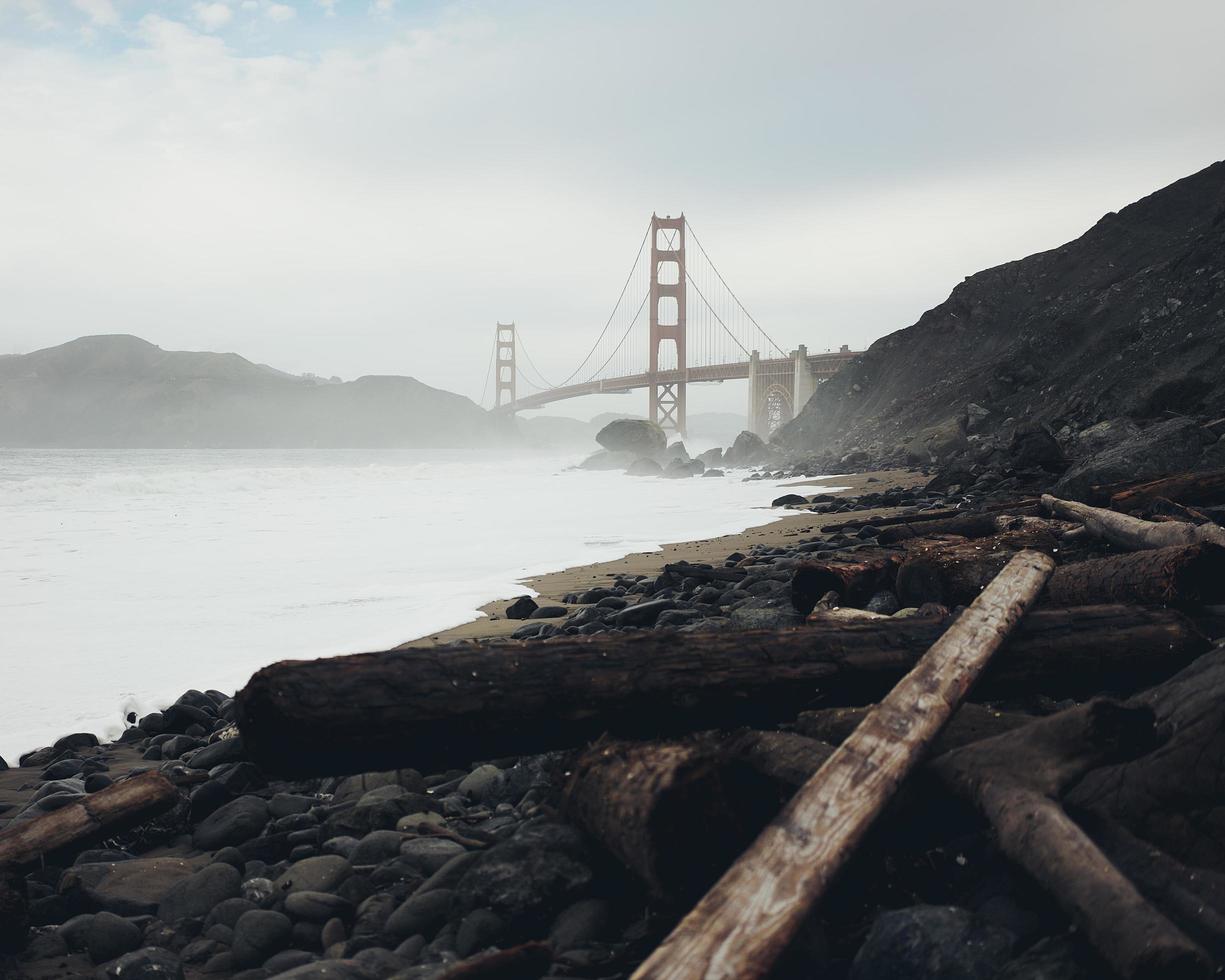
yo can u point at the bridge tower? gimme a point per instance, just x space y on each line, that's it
668 319
504 379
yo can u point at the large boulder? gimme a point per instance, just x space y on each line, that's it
1167 447
606 459
232 824
195 897
746 450
637 436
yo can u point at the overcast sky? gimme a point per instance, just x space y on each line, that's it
353 187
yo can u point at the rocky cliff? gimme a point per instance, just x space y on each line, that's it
121 391
1125 322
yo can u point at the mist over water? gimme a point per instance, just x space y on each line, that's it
129 577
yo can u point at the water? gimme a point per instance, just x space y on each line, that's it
129 577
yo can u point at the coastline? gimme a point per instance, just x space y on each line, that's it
782 525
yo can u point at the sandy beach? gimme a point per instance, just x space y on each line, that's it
775 531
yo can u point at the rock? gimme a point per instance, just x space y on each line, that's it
885 603
287 804
110 936
356 787
605 460
1034 446
376 847
224 750
75 932
287 960
712 457
644 466
207 799
479 930
179 717
764 618
258 935
521 608
327 970
929 942
976 417
746 450
233 823
712 472
638 436
673 618
228 913
583 922
260 892
195 896
483 784
527 878
78 740
429 854
318 907
145 964
1055 958
787 499
548 612
678 469
421 914
1160 450
134 887
378 810
643 614
314 874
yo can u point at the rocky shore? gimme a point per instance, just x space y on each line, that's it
501 867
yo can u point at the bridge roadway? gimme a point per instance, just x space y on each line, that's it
822 366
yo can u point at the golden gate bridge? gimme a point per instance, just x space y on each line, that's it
695 330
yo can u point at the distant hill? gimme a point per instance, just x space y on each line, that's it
121 391
1126 321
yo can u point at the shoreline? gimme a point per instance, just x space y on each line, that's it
783 524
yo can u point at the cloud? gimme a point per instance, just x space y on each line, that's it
279 12
212 16
37 13
100 12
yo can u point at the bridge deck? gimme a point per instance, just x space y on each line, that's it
822 366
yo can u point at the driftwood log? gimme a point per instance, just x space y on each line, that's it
1184 488
971 723
856 578
746 921
706 573
677 814
1015 781
440 707
1187 575
1131 533
1181 576
954 574
117 807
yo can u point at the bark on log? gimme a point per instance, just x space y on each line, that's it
954 574
435 708
1131 533
674 813
747 920
971 723
1014 779
1183 488
1183 576
856 578
972 526
117 807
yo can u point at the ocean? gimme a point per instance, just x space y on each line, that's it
127 577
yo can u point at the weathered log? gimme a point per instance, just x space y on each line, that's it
746 921
855 578
1184 488
121 805
1183 576
644 801
971 723
923 516
1131 533
434 708
1015 779
787 759
953 574
707 574
971 526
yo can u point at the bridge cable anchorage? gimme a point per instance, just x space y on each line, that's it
731 291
